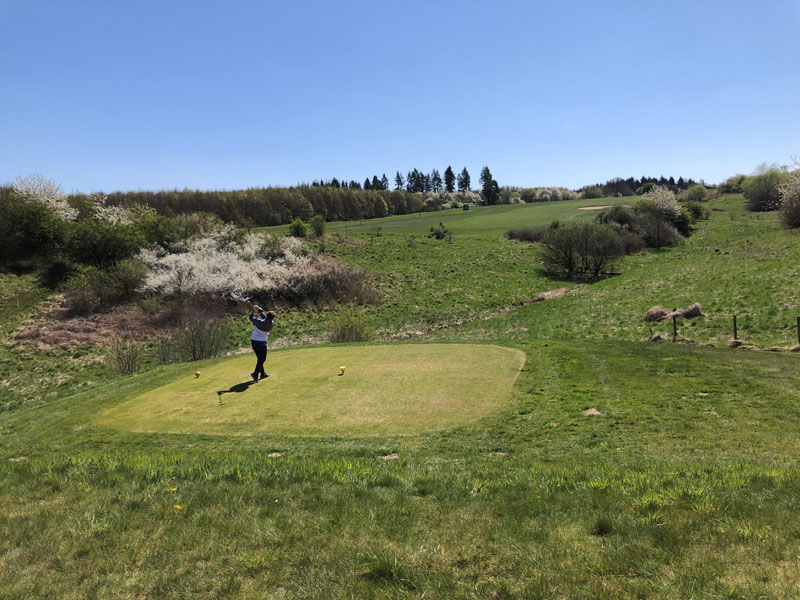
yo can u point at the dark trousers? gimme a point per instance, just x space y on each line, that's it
260 348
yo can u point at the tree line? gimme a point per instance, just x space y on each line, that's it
633 186
334 199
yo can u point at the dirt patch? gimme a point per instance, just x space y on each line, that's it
591 411
391 456
593 207
274 454
497 453
53 326
17 458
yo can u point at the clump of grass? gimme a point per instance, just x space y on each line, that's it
602 527
348 326
385 566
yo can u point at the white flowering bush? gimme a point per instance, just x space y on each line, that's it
790 201
37 188
665 202
224 266
102 211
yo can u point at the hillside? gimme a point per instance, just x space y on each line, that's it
620 468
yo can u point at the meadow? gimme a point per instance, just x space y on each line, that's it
619 467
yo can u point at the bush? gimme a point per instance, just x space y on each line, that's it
657 232
790 201
732 185
642 190
592 191
130 275
696 193
92 288
526 234
202 334
581 249
697 211
102 243
763 189
318 225
439 232
27 229
348 326
124 356
298 229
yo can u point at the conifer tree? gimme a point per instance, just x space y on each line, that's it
449 180
399 182
464 183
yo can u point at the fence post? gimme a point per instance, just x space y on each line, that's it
735 330
798 330
674 328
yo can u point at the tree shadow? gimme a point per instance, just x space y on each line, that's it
235 389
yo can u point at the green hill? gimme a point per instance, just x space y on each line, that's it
620 468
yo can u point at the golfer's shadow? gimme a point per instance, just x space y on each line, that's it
236 389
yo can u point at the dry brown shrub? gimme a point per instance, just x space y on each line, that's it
656 313
690 312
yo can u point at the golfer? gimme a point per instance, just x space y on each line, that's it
263 324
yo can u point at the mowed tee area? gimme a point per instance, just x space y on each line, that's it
397 389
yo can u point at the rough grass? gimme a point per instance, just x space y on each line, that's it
400 389
684 487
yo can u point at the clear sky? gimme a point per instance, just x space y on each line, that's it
105 95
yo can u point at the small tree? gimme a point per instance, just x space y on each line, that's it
581 249
762 189
318 225
298 229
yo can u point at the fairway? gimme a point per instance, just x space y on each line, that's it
389 389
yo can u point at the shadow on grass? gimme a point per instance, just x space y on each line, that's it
236 389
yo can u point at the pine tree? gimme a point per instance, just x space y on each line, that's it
384 182
489 187
376 183
436 181
367 185
464 184
399 182
449 180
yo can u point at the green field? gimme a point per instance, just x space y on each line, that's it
612 467
480 220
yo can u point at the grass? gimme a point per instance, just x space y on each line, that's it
685 485
385 390
481 220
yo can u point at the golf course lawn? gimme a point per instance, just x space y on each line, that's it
386 389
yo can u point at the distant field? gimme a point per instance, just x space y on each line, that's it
481 220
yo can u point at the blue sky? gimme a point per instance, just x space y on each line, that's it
150 95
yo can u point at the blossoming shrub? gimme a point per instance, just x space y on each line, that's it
790 201
271 269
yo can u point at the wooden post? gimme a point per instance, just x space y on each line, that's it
798 330
674 328
735 331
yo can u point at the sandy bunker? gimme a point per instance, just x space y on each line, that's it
387 389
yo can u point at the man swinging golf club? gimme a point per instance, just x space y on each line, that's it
262 326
